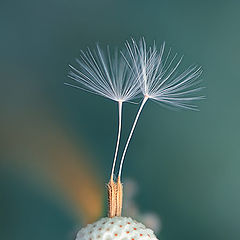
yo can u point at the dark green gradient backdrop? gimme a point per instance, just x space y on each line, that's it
187 164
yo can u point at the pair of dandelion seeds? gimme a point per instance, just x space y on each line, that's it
138 71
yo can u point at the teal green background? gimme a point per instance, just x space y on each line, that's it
187 164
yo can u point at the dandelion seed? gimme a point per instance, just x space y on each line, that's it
106 74
160 80
122 77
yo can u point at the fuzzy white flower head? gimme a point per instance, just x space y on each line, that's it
117 228
106 74
159 77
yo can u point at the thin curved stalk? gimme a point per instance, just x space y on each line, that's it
118 137
130 135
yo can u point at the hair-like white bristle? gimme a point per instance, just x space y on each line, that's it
106 74
159 77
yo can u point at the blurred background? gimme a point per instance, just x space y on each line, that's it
57 143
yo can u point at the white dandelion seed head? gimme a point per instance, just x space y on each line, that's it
106 74
159 76
116 228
